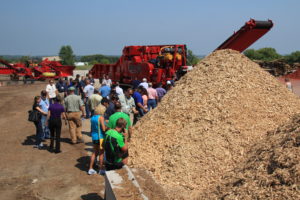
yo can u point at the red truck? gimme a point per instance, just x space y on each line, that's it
159 63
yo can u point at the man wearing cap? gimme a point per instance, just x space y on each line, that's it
169 86
73 106
152 97
144 83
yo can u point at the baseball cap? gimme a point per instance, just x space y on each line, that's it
71 88
168 82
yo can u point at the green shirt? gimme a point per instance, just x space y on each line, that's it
73 103
119 138
114 118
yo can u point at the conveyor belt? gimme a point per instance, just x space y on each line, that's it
247 35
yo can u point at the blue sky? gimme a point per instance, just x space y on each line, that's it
41 27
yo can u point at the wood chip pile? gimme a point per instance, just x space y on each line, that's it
271 171
203 127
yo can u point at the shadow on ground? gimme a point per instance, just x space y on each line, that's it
91 196
30 140
83 163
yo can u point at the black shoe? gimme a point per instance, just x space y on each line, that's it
51 150
56 152
80 141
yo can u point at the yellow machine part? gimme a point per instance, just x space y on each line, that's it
168 57
178 56
49 74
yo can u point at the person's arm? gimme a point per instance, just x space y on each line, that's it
102 123
55 90
81 107
156 96
141 106
125 147
48 117
40 110
82 110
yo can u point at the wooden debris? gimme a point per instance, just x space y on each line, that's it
203 126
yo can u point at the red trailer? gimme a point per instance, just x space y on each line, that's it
159 63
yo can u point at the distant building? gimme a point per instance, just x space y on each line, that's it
52 58
78 64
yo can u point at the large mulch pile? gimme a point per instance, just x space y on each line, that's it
271 171
205 125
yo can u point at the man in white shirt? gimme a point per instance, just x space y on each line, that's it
144 83
88 91
107 81
51 91
119 90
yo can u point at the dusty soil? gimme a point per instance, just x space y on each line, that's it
32 174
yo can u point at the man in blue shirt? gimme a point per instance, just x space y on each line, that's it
105 90
44 106
62 87
139 103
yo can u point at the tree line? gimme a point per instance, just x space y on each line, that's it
270 54
68 58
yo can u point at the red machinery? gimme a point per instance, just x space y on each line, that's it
247 35
159 63
44 70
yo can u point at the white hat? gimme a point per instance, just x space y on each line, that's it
144 80
168 82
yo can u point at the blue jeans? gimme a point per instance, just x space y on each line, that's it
151 103
46 131
39 132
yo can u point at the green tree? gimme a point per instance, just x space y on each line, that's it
99 59
268 54
293 57
104 61
24 59
191 58
252 54
264 54
67 56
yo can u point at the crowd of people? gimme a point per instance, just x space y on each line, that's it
112 112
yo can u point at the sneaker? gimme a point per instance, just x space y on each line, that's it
35 146
41 146
102 172
91 171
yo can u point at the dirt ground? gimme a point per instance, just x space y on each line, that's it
32 174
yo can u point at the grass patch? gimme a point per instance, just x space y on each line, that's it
85 67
